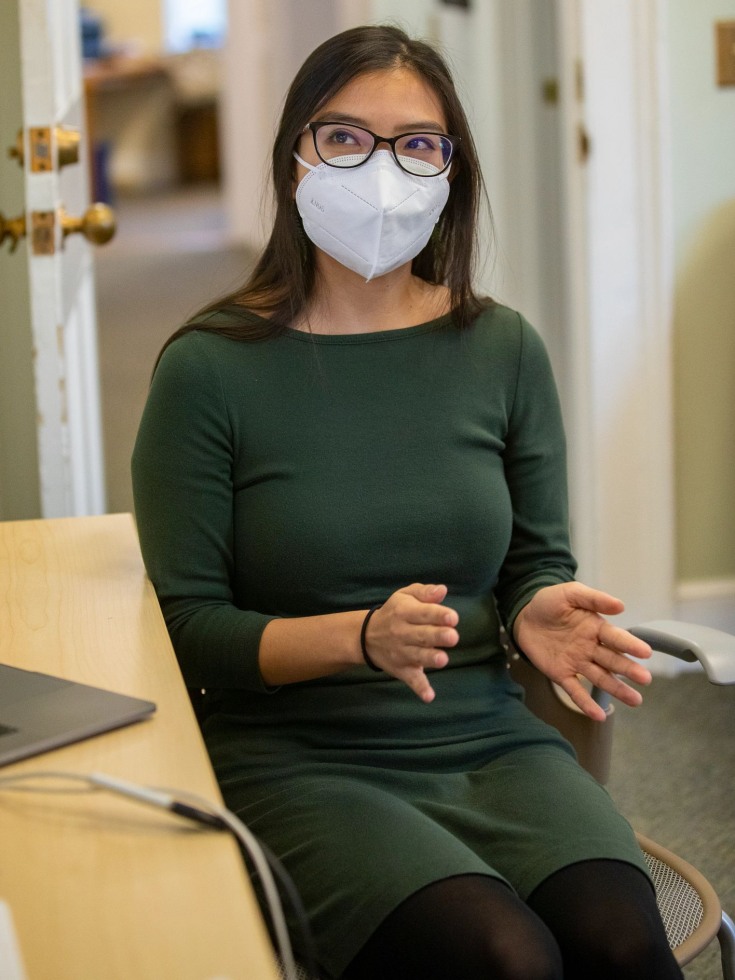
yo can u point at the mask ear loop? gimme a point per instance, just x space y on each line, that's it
303 162
302 238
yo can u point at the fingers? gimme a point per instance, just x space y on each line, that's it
426 593
424 643
564 632
604 681
613 655
419 683
583 699
621 666
409 633
593 599
422 622
624 642
604 672
414 675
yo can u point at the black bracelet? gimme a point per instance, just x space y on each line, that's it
363 631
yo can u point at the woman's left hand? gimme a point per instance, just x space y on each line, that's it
562 632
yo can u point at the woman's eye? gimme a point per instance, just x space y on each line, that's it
343 137
425 143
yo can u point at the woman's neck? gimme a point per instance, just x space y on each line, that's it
344 303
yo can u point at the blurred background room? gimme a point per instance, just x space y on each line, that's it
607 137
153 83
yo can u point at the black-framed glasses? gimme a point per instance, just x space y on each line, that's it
345 145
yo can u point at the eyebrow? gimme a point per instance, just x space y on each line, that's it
421 126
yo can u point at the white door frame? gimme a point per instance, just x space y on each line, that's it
619 289
61 321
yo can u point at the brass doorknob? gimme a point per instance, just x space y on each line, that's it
97 224
12 228
67 146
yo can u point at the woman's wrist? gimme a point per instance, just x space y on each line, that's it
363 639
308 647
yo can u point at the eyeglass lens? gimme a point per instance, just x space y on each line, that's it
348 146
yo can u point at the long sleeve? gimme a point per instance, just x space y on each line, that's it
309 474
535 469
183 488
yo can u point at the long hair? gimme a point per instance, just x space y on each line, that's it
283 279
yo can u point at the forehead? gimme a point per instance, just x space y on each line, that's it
397 96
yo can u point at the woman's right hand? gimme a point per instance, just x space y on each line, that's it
408 634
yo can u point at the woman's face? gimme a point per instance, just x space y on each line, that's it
388 102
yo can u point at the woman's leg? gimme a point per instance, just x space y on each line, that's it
469 926
604 917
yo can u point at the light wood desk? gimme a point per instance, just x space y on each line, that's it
98 886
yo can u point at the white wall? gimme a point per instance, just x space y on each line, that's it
266 44
625 462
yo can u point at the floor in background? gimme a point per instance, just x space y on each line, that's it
674 758
169 258
673 776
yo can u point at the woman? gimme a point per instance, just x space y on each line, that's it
341 473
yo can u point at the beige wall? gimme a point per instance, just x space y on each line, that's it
703 178
139 22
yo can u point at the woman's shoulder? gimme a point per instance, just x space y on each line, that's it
504 340
497 316
213 331
500 324
231 321
193 352
228 315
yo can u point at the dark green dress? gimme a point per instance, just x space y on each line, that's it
315 474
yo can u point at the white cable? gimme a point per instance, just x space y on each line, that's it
162 799
255 852
7 782
11 961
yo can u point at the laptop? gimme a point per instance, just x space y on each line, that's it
39 712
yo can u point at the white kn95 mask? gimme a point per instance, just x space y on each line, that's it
372 218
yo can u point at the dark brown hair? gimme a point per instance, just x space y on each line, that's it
282 281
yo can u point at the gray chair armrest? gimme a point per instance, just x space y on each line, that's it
714 649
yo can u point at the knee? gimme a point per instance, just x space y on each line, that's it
635 953
523 964
512 956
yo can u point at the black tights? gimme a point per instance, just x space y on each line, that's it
594 919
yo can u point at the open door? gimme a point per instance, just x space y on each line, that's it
51 461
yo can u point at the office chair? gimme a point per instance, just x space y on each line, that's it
688 903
